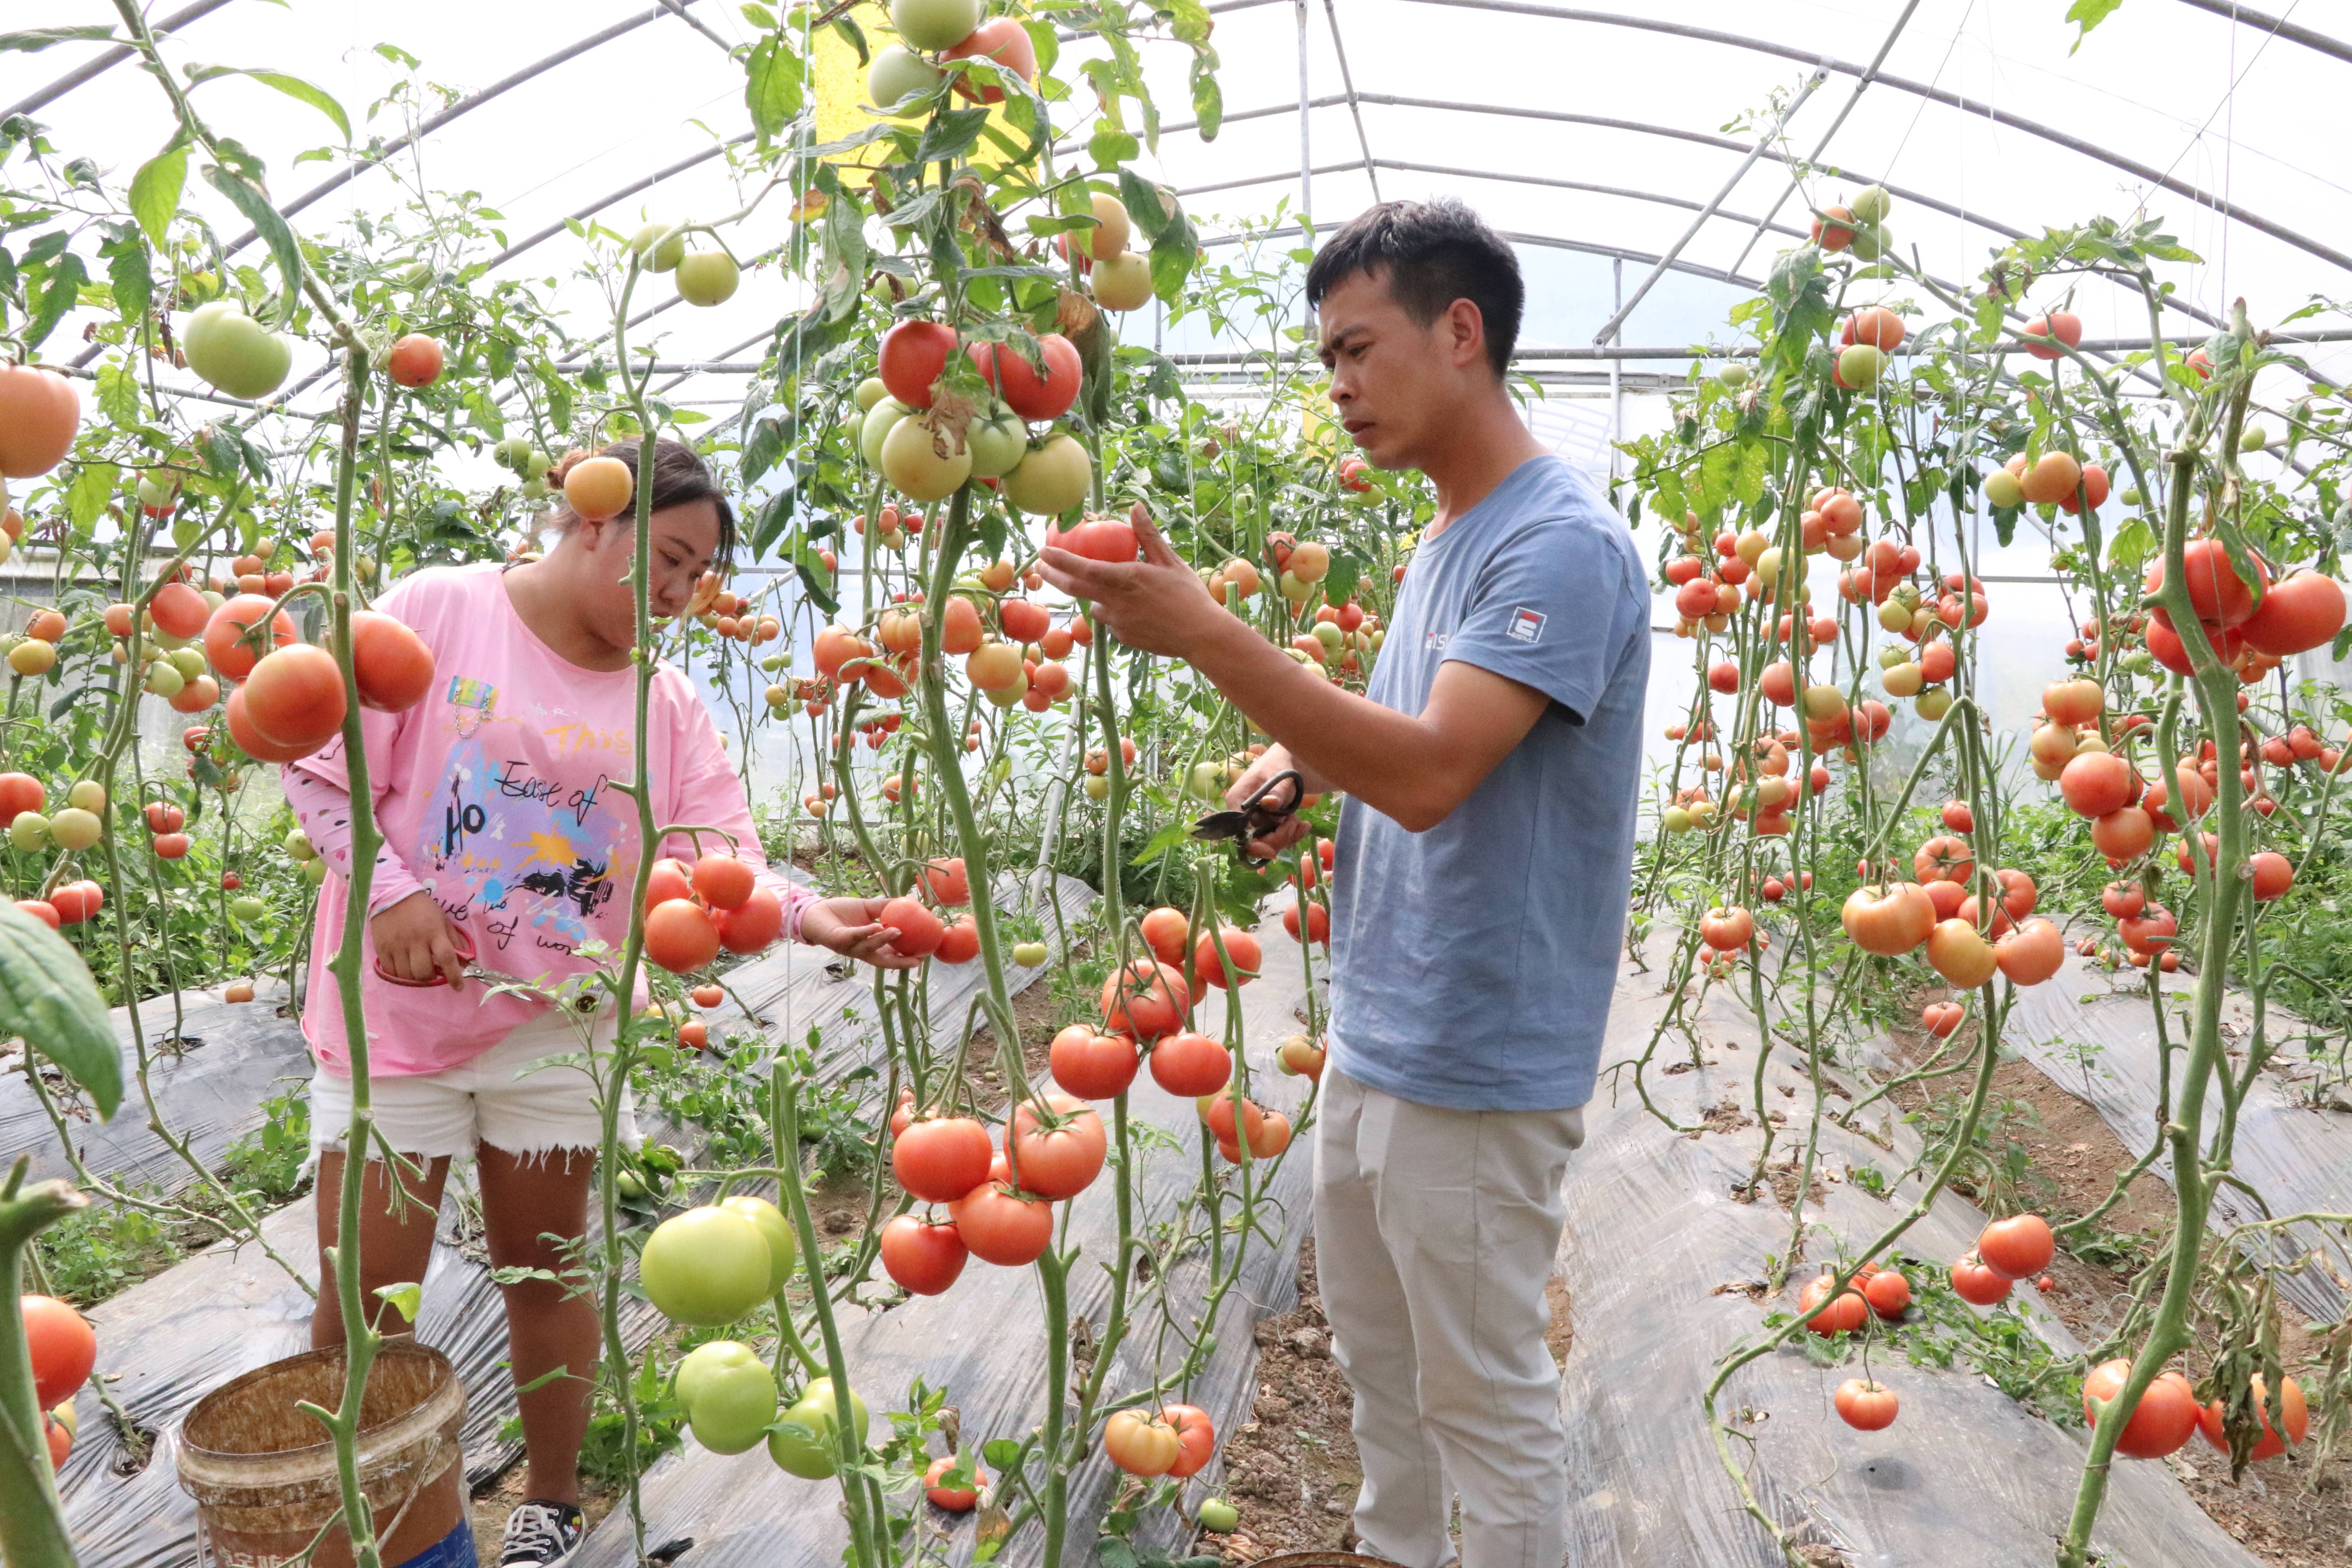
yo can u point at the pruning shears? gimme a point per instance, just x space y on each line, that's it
1255 818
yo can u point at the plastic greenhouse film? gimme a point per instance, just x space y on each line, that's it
175 1337
231 1057
983 1343
2298 1157
1659 1258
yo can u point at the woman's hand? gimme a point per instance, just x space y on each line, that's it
413 940
853 928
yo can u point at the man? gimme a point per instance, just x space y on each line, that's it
1484 864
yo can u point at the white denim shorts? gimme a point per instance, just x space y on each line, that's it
501 1097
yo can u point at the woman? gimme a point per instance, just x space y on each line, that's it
506 841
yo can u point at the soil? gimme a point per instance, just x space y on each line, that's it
2275 1510
1291 1469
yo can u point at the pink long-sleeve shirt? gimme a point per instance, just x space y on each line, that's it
494 794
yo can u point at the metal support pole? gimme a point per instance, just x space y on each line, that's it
1763 144
1305 158
1616 374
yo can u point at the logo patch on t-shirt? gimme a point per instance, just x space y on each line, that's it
1527 625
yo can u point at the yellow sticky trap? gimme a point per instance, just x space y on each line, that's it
841 99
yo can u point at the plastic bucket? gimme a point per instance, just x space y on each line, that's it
263 1476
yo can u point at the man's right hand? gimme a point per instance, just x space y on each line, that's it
413 940
1277 760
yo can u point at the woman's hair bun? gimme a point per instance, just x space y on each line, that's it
557 471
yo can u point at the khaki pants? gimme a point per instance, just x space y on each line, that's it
1434 1234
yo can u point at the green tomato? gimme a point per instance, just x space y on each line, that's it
1123 283
897 74
1860 365
1053 479
870 392
164 680
314 872
2130 496
1207 781
234 353
535 466
729 1395
245 909
2252 438
1675 819
189 661
810 1453
298 846
628 1184
513 452
1871 205
912 464
783 1248
662 257
1218 1517
934 24
76 828
1329 635
2002 490
1733 375
999 444
876 428
708 278
1933 703
29 831
1029 954
706 1267
1098 787
1872 241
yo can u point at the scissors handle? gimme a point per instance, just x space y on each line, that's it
463 942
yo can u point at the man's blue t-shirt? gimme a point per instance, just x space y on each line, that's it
1473 964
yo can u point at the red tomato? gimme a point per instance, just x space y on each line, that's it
1196 1437
2292 1406
172 846
390 664
912 356
161 815
1240 946
948 885
954 1499
724 882
1865 1406
1141 1445
942 1158
1191 1065
1093 1066
1013 379
415 361
1888 1293
1147 999
679 936
179 610
1848 1313
295 697
39 909
919 929
63 1348
1003 1226
1057 1162
1166 931
20 792
923 1255
1003 41
2019 1246
225 631
1319 922
1977 1283
1024 620
668 879
960 944
2303 612
2165 1415
754 926
255 744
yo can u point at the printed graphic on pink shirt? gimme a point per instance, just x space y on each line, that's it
528 861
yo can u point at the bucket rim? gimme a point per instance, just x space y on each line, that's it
193 1455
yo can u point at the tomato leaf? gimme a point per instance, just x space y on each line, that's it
48 996
771 86
268 223
293 87
950 136
126 269
156 189
33 40
60 291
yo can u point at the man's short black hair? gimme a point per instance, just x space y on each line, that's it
1434 253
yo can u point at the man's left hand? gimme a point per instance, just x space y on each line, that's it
1157 604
